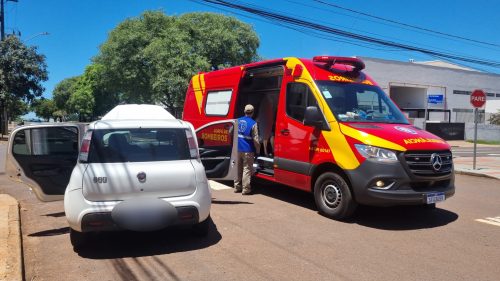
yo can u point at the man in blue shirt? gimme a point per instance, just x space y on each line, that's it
248 145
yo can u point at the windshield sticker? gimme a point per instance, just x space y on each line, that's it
406 130
327 94
422 140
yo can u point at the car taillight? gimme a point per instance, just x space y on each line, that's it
193 149
84 149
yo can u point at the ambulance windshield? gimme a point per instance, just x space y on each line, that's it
360 103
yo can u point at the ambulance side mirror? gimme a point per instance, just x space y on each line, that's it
313 117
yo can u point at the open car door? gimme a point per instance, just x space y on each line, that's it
218 146
43 156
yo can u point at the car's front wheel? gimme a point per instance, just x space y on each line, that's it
333 196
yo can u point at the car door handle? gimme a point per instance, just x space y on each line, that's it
285 132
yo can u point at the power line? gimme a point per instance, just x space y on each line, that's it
405 24
350 35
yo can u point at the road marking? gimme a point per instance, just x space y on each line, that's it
218 186
494 154
492 221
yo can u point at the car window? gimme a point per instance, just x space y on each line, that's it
298 97
138 145
46 141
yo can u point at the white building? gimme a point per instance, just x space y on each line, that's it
418 87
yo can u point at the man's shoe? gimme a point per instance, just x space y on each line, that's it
246 193
237 191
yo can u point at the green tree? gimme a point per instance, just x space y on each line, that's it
150 59
61 94
44 108
495 118
224 41
22 71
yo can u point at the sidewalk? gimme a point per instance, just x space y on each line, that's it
10 240
485 166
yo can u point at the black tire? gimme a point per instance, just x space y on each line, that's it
201 229
333 196
78 239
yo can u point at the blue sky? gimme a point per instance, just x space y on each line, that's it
77 27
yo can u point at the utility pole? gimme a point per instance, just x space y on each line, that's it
3 117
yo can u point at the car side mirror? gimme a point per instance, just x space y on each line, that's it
313 117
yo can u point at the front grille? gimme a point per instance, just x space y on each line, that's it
420 163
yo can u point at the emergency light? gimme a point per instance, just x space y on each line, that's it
329 61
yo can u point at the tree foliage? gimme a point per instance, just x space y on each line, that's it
44 108
85 95
495 118
150 59
22 71
62 92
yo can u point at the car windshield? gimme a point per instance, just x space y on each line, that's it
360 103
138 145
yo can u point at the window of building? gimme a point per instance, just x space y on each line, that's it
218 102
458 92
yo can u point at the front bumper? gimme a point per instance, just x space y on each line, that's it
404 188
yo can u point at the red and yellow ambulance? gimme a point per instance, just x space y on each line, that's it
326 128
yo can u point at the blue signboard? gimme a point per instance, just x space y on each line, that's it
435 99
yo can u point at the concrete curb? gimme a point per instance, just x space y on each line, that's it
472 173
11 263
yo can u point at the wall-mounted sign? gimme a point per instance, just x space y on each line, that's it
435 99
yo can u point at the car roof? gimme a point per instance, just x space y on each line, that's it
137 124
138 112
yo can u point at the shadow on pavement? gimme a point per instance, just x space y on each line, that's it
55 215
121 244
226 202
388 218
402 217
50 232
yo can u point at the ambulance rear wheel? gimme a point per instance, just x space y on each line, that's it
333 196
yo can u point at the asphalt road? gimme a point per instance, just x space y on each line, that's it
277 234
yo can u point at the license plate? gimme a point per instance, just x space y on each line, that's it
435 197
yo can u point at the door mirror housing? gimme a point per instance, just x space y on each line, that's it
313 117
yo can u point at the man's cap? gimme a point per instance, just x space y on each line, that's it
248 108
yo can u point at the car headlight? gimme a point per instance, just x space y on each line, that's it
376 153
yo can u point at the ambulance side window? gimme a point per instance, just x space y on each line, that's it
218 103
298 97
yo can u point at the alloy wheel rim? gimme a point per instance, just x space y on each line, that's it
332 195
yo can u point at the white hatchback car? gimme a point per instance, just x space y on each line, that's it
138 168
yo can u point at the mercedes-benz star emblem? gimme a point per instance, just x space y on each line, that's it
141 177
436 162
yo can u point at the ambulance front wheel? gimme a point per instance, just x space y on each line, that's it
333 196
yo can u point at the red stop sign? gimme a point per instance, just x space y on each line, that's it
478 98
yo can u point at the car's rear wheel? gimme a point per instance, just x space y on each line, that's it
201 229
77 238
333 196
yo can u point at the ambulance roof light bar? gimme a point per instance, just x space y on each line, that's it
356 63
